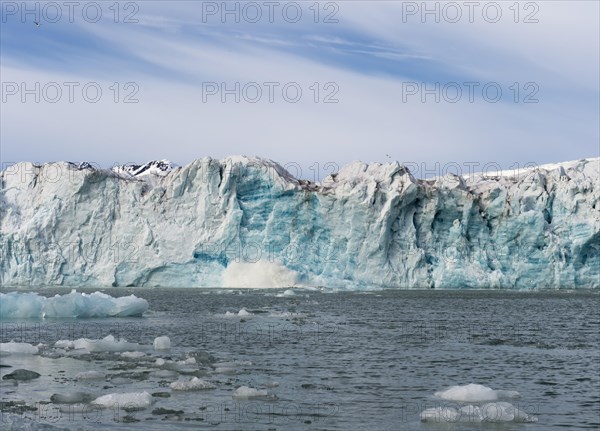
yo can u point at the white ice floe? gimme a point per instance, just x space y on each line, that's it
89 375
242 313
195 384
64 344
134 400
475 393
107 344
160 362
288 292
247 393
132 355
491 412
18 348
162 343
74 304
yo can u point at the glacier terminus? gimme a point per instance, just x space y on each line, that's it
247 222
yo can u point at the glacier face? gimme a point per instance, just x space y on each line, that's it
213 223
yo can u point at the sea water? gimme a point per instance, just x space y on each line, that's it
306 359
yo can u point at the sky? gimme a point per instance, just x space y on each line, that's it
439 86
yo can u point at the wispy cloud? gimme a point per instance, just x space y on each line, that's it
370 56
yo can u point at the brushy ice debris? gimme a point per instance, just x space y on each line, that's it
162 343
132 400
491 412
89 375
262 274
248 393
195 384
475 393
18 348
74 304
132 355
107 344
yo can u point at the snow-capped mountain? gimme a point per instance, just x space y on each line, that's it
247 221
155 167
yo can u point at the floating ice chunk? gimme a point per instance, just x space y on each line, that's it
64 344
288 292
131 400
160 362
89 375
107 344
18 348
74 304
132 355
475 393
261 274
248 393
195 384
244 313
190 361
162 343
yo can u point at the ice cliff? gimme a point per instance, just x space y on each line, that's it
246 221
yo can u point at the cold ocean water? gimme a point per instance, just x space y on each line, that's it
312 360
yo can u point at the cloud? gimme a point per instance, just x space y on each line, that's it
365 61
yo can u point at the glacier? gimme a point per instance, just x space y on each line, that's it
247 222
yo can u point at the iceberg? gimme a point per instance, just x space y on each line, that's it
13 348
162 343
247 222
487 406
245 392
133 400
74 304
475 393
195 384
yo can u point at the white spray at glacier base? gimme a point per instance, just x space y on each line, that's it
217 223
